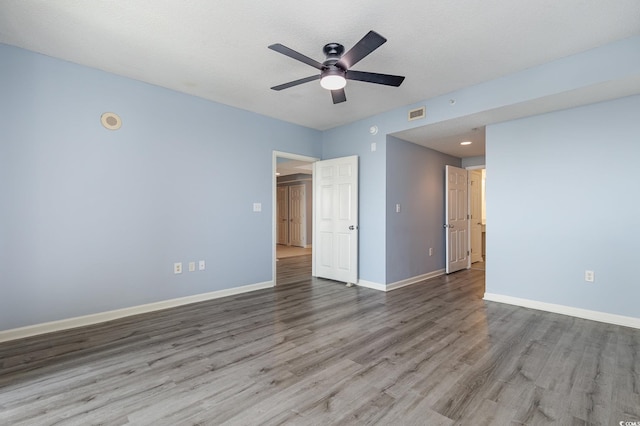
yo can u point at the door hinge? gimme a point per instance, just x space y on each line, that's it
468 253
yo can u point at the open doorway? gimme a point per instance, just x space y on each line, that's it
292 216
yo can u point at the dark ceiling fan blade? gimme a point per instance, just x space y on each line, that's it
296 82
368 44
372 77
338 96
296 55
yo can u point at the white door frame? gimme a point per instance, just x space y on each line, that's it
274 201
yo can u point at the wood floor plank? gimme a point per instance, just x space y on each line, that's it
315 352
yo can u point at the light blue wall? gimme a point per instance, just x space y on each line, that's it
562 198
599 67
614 62
92 220
415 180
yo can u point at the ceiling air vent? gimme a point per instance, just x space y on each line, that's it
418 113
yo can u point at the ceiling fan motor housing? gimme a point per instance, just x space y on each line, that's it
333 52
332 70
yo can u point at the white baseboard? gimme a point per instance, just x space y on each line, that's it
401 283
372 285
566 310
414 280
65 324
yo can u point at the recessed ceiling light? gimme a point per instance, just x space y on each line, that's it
465 143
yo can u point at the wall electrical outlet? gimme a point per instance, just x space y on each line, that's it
192 266
177 268
430 251
397 208
589 276
201 265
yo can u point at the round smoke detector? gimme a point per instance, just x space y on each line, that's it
111 120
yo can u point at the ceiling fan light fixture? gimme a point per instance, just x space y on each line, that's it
336 69
333 79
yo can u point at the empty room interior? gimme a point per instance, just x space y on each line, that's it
261 213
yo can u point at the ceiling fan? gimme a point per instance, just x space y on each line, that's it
335 70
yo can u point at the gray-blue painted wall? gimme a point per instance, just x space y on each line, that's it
92 220
473 161
416 181
562 198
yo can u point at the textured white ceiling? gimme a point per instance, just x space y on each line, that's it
218 49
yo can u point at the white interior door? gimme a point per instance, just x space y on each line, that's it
297 216
283 215
335 241
475 197
457 226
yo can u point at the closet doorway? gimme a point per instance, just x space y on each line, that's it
294 208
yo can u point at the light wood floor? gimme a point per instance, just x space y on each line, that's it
283 251
314 352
